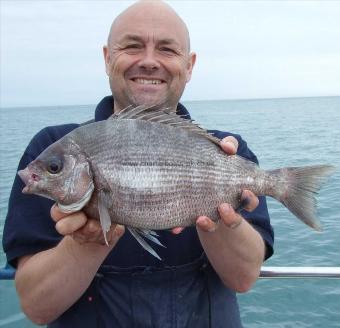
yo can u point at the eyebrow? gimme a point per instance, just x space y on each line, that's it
169 41
132 37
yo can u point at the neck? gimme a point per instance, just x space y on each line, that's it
117 108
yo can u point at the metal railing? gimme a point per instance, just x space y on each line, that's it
300 272
8 272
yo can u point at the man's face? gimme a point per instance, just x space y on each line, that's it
147 60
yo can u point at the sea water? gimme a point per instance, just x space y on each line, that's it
282 132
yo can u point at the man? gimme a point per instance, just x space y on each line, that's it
67 277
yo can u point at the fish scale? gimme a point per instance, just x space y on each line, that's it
134 170
142 146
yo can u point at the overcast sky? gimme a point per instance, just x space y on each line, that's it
51 51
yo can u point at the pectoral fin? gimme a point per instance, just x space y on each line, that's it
149 234
105 220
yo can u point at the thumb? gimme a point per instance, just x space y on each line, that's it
114 234
229 217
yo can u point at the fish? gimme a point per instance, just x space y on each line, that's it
150 169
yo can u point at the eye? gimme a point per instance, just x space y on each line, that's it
133 46
54 166
168 50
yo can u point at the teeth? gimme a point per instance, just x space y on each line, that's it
144 81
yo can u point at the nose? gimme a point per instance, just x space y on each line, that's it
149 60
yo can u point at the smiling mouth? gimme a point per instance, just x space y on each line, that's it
148 81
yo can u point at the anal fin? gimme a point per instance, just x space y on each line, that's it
149 234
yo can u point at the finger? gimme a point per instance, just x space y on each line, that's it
93 233
91 227
177 230
229 217
206 224
71 223
229 145
115 233
95 237
56 213
248 200
90 232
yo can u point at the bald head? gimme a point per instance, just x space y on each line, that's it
147 58
156 13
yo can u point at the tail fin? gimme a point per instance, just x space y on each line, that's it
301 186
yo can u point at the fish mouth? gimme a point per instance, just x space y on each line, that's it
29 178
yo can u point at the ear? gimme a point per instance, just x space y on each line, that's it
106 53
190 65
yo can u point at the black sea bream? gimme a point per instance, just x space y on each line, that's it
150 169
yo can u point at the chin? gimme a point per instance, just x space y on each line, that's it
150 101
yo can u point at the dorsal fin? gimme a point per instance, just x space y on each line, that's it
164 116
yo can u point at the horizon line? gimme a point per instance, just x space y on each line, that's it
183 101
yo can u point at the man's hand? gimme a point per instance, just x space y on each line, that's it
229 145
78 256
231 218
84 230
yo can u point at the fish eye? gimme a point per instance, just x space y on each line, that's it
54 166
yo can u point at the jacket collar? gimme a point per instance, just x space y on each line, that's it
105 109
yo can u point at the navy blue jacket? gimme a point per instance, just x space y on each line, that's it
132 288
